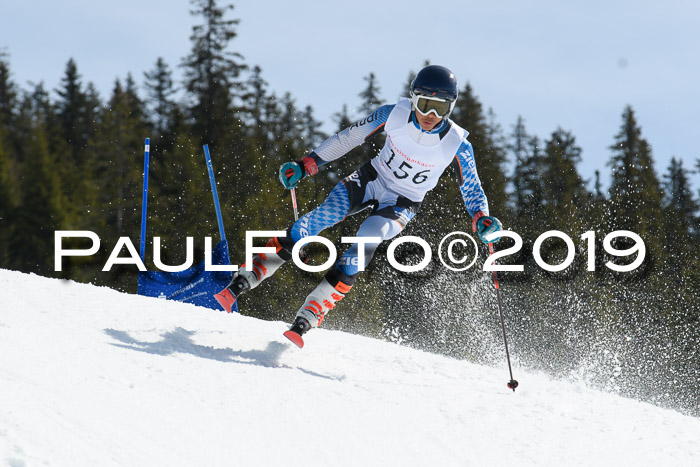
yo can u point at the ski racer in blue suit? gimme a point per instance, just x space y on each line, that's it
421 143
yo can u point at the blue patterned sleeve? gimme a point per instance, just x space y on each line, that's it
344 141
469 183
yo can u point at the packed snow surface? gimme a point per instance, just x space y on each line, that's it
93 377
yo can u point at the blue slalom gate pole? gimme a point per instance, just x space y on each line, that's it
219 219
144 203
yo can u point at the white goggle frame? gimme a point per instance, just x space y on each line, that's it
415 98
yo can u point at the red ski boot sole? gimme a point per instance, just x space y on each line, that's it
226 299
295 338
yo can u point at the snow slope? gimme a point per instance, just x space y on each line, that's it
93 377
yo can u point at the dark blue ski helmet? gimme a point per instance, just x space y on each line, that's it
435 81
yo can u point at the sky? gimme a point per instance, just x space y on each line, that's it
573 64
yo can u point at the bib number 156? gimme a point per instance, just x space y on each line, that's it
403 170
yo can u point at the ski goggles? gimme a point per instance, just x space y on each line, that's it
427 104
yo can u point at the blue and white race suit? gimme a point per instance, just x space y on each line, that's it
393 183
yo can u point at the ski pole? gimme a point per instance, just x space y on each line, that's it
303 256
289 173
512 384
294 204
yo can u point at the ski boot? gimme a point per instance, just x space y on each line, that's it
319 302
249 277
299 327
227 297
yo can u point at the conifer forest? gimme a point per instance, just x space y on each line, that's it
71 159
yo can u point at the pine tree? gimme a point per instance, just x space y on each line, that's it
291 122
7 203
518 147
313 136
489 151
528 188
635 192
119 174
564 191
93 110
39 211
8 93
697 168
370 96
371 100
598 187
595 211
180 202
9 147
679 198
212 75
217 97
255 107
342 118
73 113
44 117
77 111
123 123
135 106
8 109
9 105
160 103
680 213
172 166
534 188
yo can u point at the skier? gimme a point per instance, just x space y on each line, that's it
421 143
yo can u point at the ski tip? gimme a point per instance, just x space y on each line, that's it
295 338
226 299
